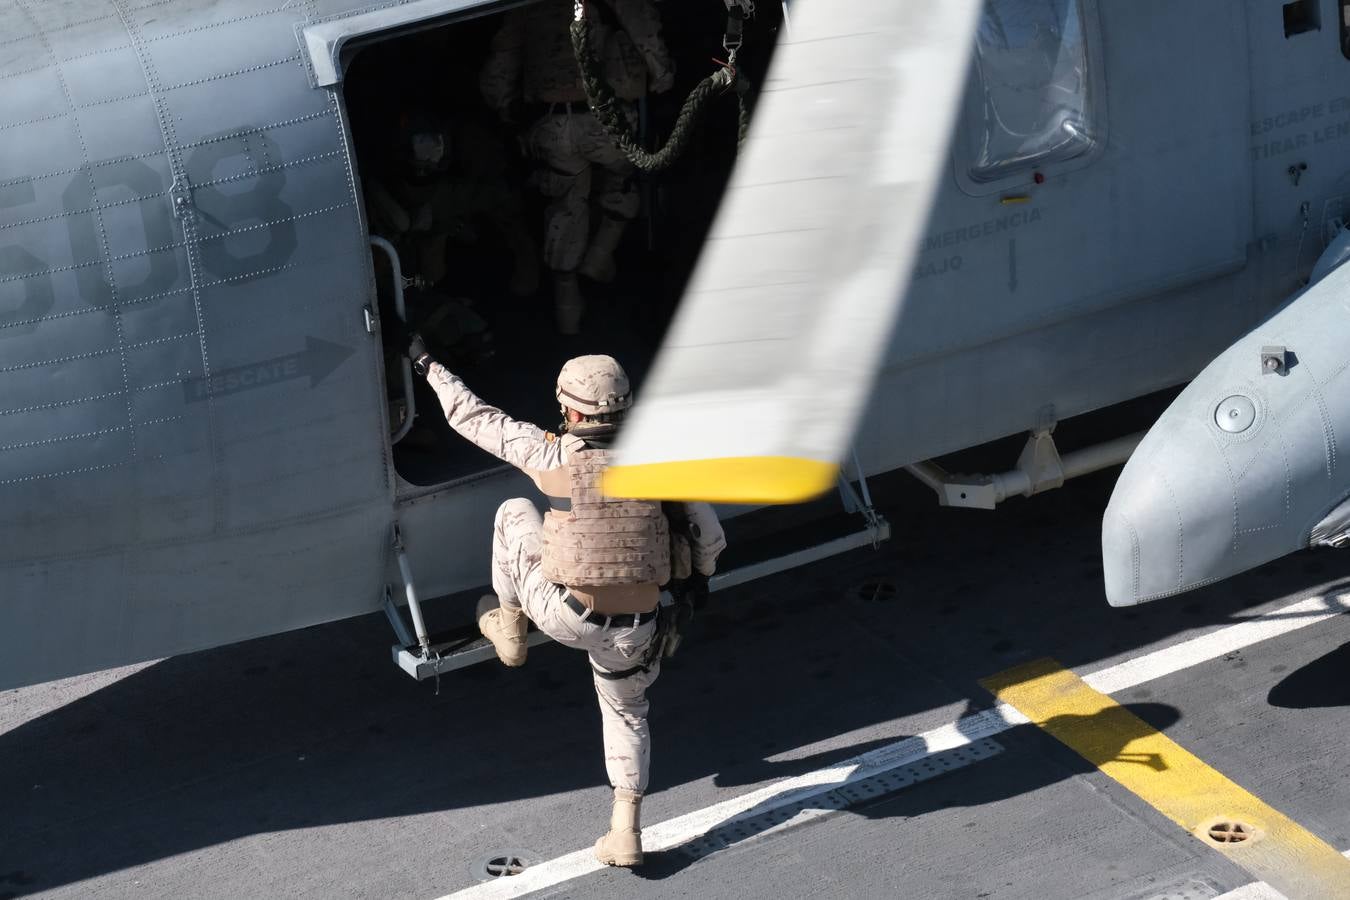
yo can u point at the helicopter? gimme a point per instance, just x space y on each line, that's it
947 225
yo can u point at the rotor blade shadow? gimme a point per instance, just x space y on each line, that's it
1009 773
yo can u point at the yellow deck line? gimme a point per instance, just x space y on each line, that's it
1173 780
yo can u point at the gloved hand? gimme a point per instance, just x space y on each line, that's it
417 352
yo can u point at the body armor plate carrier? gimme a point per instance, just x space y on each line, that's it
603 540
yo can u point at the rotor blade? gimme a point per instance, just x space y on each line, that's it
755 395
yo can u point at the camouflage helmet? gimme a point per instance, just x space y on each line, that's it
594 385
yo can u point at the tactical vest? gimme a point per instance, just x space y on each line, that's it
599 540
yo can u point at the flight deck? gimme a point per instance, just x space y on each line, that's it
830 731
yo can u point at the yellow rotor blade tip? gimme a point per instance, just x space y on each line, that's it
737 479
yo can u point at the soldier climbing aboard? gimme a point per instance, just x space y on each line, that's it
590 573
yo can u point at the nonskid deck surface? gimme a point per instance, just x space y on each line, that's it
307 765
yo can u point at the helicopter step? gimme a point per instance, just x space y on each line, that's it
426 656
455 648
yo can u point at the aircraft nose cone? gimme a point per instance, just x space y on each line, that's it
1169 525
1140 539
1120 555
1244 464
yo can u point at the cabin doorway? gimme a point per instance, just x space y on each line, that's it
454 191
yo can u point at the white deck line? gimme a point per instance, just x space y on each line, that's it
1258 890
1113 679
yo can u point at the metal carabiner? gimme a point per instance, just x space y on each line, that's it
738 13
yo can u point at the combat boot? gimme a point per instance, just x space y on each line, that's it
623 845
598 263
505 627
568 304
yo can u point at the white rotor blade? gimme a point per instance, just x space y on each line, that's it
769 361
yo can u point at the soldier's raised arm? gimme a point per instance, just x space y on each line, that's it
642 21
522 444
499 80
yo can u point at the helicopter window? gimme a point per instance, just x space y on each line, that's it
1345 28
1033 102
1300 17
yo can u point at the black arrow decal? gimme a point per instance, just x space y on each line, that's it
317 361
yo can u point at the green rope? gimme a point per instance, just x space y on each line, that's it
743 112
608 109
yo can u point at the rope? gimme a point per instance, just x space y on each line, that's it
743 111
608 109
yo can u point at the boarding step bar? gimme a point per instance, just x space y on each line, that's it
426 656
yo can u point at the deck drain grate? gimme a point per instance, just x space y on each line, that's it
502 864
814 806
1229 832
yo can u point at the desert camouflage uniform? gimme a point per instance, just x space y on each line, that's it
532 61
518 580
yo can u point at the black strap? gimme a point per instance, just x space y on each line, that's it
561 504
619 675
618 398
619 620
735 33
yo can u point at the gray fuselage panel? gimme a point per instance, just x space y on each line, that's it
191 424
